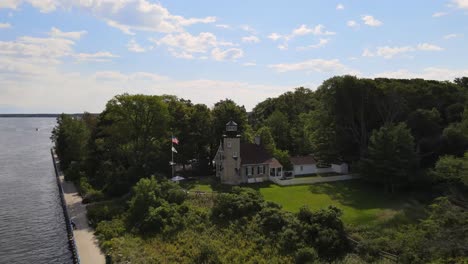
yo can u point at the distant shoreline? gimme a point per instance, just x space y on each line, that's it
36 115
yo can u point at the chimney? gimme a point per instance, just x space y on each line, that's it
257 140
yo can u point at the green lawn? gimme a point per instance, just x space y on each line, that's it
204 184
361 204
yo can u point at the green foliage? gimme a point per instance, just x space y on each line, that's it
105 211
242 202
108 229
131 133
279 127
391 160
70 136
452 169
324 231
283 157
266 139
156 207
306 256
225 111
424 123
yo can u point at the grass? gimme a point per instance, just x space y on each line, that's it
361 204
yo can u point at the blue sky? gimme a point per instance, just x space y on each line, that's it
74 55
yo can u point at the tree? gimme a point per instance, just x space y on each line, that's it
71 137
225 111
424 123
322 137
132 132
266 139
391 159
279 127
452 169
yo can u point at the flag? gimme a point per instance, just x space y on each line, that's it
174 150
175 140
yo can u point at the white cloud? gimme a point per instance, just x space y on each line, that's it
249 64
248 29
133 46
450 36
57 33
283 46
461 3
229 54
185 45
352 24
302 30
251 39
439 14
314 65
126 15
430 73
58 85
305 30
274 36
340 7
388 52
5 25
322 42
97 57
371 21
367 53
223 26
429 47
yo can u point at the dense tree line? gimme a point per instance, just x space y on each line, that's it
131 139
357 121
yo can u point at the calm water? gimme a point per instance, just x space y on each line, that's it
32 227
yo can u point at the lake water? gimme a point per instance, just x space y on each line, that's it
32 225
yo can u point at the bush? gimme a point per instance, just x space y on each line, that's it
242 202
306 256
105 211
107 230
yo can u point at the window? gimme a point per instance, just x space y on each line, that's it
229 144
272 172
258 170
251 170
246 171
234 154
302 168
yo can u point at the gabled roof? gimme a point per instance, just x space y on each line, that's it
303 160
231 123
253 154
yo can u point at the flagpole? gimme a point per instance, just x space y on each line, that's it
172 153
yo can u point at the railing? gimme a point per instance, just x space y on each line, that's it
71 238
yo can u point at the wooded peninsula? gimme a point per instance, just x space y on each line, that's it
407 139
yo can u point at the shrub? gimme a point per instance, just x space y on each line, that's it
110 229
306 256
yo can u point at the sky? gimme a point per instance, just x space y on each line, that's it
75 55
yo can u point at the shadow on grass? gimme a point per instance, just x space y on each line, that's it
358 194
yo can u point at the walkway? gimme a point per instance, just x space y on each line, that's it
312 180
86 242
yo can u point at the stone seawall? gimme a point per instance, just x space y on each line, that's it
71 238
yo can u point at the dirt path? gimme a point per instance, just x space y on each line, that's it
86 242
